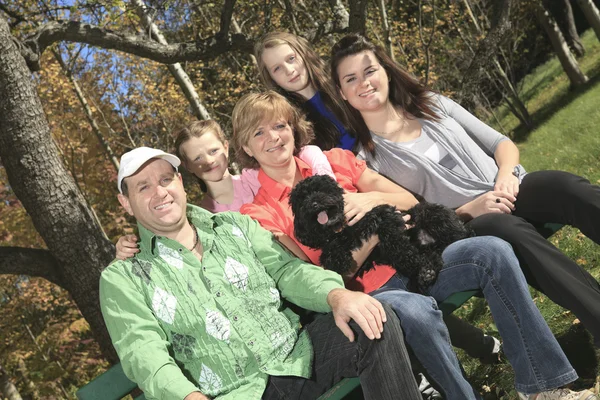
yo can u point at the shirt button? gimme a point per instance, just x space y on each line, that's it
251 343
203 268
180 249
218 294
235 318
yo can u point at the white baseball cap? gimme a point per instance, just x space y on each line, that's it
134 159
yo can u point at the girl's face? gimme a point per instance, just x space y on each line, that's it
363 81
286 68
271 143
206 157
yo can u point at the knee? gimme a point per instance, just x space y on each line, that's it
417 313
489 252
504 226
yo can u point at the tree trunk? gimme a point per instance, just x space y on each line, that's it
561 48
386 27
569 28
591 14
47 191
176 69
7 388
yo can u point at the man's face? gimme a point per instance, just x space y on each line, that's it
156 197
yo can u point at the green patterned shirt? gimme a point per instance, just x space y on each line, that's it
219 325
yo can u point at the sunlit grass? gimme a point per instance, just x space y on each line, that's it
566 137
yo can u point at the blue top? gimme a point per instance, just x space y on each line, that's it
346 140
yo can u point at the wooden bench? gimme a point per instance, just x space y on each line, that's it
114 385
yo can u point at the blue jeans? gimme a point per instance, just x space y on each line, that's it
486 263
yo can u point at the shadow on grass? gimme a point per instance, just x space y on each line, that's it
577 344
521 133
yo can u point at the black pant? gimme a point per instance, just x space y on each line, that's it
553 196
382 365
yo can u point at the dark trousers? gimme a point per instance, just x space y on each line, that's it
382 365
553 196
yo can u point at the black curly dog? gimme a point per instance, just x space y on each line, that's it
319 222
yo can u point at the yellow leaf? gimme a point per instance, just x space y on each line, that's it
576 321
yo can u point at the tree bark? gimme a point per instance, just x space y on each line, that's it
138 45
47 191
569 28
561 48
32 262
358 16
182 78
7 389
591 14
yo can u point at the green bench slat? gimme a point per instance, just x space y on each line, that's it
111 385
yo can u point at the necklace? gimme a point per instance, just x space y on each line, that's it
392 132
195 237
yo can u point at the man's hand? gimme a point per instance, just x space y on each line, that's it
367 312
196 396
127 247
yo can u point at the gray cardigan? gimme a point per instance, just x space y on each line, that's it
472 144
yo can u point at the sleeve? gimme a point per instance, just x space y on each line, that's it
262 214
314 157
140 342
485 136
302 283
250 180
345 163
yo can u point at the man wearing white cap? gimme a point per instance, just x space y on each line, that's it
198 313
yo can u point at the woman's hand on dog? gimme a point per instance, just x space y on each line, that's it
356 205
367 312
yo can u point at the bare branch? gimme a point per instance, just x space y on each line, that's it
488 47
32 262
226 16
141 46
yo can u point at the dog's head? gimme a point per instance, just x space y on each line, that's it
318 206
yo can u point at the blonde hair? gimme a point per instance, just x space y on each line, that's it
195 130
252 109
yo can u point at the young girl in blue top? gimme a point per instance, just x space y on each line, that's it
289 65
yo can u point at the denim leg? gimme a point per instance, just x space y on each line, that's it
382 365
427 335
488 263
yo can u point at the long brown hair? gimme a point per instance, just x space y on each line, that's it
405 90
327 134
254 108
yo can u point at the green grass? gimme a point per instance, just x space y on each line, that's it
566 137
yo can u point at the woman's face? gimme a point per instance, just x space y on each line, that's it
271 143
363 81
286 68
206 157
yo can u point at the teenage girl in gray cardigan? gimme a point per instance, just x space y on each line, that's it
433 147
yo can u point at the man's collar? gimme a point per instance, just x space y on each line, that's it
278 190
201 218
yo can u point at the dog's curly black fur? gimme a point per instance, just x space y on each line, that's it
319 222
